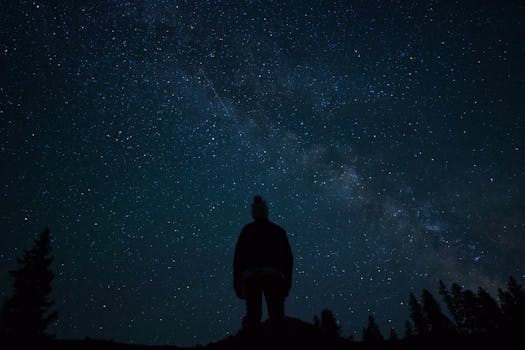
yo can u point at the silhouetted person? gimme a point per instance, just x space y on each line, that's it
262 264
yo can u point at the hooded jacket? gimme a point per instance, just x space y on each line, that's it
263 246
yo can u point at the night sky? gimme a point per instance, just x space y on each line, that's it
386 136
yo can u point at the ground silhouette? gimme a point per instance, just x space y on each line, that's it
294 334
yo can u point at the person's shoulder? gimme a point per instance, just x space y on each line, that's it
277 228
248 227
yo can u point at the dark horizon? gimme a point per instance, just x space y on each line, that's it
473 318
386 137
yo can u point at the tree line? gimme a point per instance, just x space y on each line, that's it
472 316
28 313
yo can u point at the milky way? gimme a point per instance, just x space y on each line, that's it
387 138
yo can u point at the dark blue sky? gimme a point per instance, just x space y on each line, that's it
387 137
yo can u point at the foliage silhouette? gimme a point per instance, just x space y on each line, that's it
328 323
27 314
393 335
490 314
475 315
477 319
513 306
421 326
409 330
372 334
438 323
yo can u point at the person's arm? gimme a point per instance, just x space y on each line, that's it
238 262
288 262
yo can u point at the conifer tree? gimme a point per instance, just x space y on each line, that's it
409 331
513 305
328 323
421 325
455 304
470 310
490 313
372 334
393 335
26 315
458 303
439 324
443 291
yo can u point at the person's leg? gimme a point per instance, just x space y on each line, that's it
275 295
253 297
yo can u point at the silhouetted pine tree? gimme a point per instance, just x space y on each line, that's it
454 302
445 294
513 305
409 331
515 295
328 323
478 313
372 334
26 314
393 335
421 325
470 307
439 324
490 315
317 321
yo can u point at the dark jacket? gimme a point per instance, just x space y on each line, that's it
262 244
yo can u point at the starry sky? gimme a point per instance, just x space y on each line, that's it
386 136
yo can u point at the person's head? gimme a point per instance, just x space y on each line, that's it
259 208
